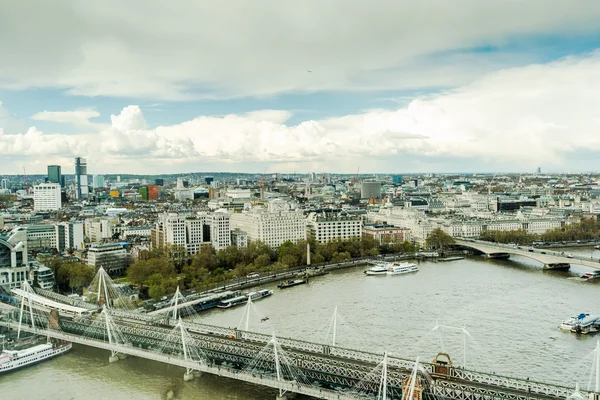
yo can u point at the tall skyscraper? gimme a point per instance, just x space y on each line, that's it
81 178
54 174
98 181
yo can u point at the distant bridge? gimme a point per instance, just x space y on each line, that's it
551 259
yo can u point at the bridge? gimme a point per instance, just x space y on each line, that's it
551 259
290 366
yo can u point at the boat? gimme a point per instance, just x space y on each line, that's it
377 269
591 275
290 283
402 268
259 294
19 356
570 322
587 325
243 299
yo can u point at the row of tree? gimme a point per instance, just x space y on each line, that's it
161 270
586 229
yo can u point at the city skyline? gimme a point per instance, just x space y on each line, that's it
497 89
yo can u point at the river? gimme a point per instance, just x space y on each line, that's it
510 308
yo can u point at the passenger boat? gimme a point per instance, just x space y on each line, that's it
377 269
587 325
290 283
259 294
243 299
591 275
402 268
570 322
12 359
234 301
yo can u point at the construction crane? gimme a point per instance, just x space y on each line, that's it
356 177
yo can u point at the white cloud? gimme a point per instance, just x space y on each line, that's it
542 114
237 48
80 117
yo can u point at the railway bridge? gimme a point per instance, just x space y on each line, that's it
291 366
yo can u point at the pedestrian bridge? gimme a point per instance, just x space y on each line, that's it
290 366
550 258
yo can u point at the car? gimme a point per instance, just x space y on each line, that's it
530 250
543 252
253 275
570 255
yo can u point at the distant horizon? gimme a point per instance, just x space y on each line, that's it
360 174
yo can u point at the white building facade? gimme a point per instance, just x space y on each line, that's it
327 227
46 197
273 226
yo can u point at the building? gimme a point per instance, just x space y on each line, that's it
370 190
5 184
384 233
42 275
159 182
99 229
192 232
55 175
239 238
98 181
274 225
325 227
128 232
41 237
110 256
208 180
396 179
69 235
152 192
220 232
46 197
13 259
81 179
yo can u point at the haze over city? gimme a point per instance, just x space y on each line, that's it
147 87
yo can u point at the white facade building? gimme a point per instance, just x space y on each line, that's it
46 197
13 258
220 231
110 256
99 229
327 227
273 226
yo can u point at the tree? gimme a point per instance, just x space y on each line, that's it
205 258
438 240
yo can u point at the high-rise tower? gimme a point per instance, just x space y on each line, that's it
81 178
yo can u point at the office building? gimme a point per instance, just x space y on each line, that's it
152 192
110 256
69 235
46 197
208 180
54 174
81 179
325 227
396 179
98 181
273 225
5 184
159 182
13 259
370 190
220 231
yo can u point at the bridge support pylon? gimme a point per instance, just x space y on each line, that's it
557 266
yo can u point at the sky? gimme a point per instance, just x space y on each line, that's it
150 87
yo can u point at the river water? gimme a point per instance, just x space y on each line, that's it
510 308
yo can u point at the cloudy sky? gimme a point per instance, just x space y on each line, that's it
149 86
